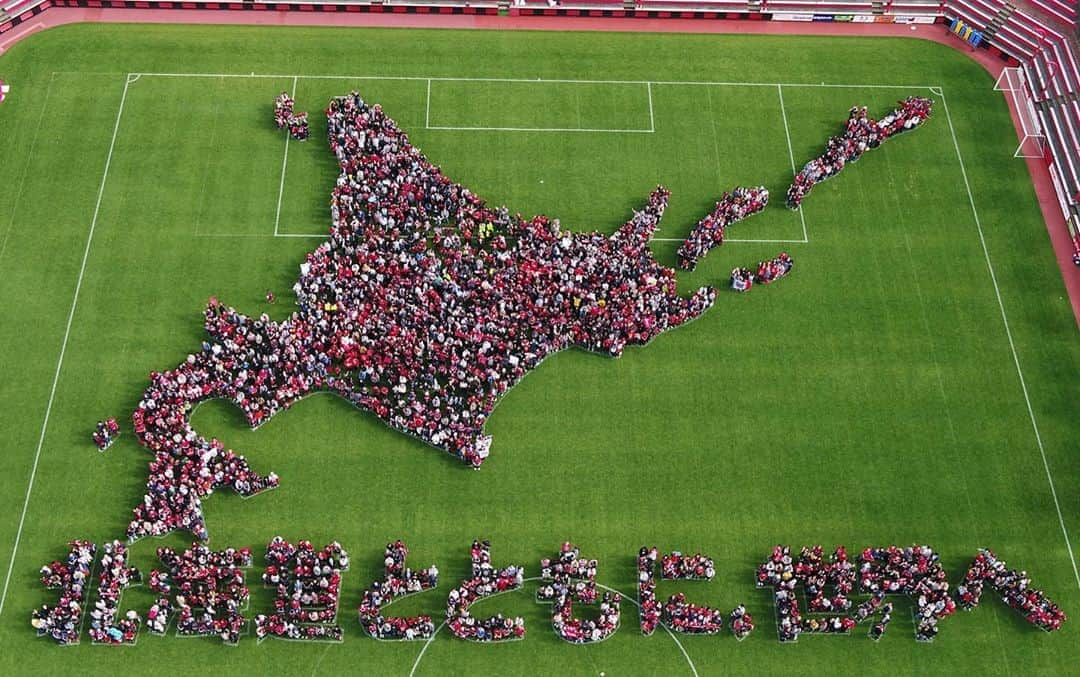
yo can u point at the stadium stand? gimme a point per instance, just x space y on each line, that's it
13 8
1061 11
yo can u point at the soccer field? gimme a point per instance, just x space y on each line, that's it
913 380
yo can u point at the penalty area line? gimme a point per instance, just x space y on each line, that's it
425 78
63 345
791 156
540 129
734 240
284 166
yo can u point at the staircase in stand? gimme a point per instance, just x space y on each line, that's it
999 20
1057 101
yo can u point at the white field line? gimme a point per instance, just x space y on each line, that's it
424 78
270 235
791 155
200 235
626 598
1012 344
26 168
727 241
652 115
284 165
541 129
803 241
427 109
63 345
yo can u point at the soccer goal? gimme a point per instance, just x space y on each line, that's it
1033 141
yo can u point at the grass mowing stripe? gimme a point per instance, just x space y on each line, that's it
1012 345
63 346
26 169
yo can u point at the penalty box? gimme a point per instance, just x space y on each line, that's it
246 179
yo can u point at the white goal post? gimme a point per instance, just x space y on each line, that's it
1033 141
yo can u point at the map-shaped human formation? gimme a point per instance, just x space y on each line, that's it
424 306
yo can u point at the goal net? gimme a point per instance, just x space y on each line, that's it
1032 139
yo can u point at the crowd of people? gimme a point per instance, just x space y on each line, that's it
649 609
284 117
474 313
678 614
743 279
585 631
63 622
426 332
819 576
682 616
486 580
915 571
1014 587
861 133
568 570
740 622
874 604
157 617
308 586
106 627
877 630
209 588
399 581
570 578
774 269
679 567
244 364
709 231
105 433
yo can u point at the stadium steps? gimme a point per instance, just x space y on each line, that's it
879 7
1057 148
753 6
1062 143
999 20
1063 100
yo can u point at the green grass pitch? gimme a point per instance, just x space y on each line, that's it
870 398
